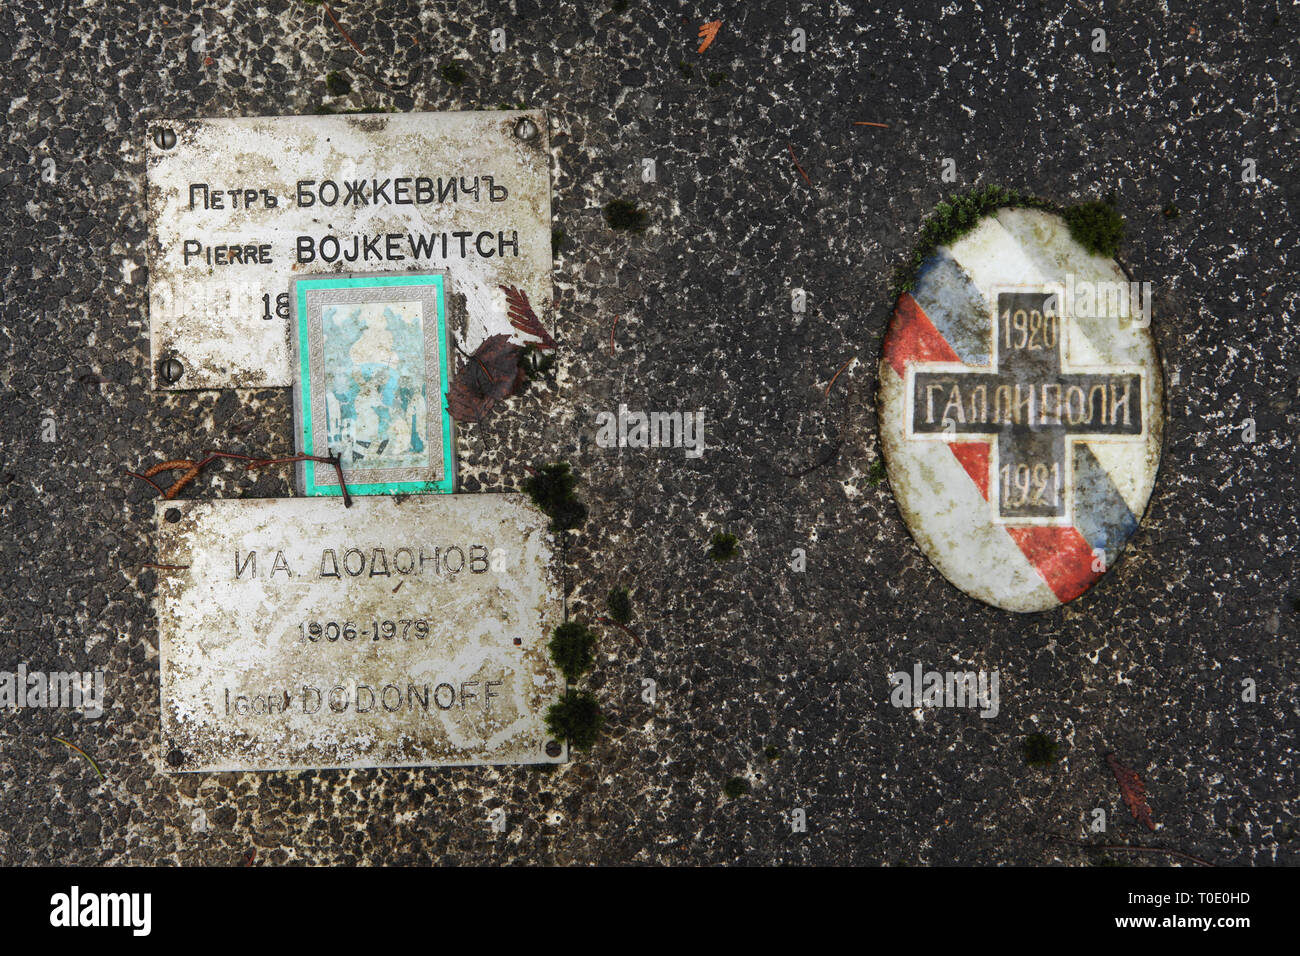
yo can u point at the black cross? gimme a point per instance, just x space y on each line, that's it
1029 405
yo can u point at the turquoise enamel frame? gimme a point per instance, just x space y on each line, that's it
431 289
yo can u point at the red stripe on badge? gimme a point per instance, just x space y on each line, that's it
974 457
913 338
1061 555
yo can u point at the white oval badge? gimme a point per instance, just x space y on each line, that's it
1021 410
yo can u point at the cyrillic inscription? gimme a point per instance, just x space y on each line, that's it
1030 404
299 633
239 207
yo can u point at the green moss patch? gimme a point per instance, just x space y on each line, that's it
1097 227
1040 750
453 72
572 648
337 83
552 490
575 717
619 605
952 219
735 788
626 215
1094 225
724 546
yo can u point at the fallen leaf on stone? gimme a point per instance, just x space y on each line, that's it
524 319
707 33
1133 791
490 374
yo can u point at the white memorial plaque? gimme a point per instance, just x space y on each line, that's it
240 207
297 633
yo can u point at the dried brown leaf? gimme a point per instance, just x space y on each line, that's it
1133 791
524 319
490 374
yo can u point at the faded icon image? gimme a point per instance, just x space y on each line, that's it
375 402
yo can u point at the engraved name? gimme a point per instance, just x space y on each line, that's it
373 562
357 698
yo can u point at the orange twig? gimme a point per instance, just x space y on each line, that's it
182 481
250 463
168 466
156 487
864 123
835 376
84 754
191 472
360 52
797 166
611 335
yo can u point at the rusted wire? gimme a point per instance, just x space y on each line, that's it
250 463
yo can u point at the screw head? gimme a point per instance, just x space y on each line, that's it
172 515
553 748
170 370
164 137
175 757
525 129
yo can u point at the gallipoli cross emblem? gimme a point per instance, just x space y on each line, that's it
1021 414
1031 407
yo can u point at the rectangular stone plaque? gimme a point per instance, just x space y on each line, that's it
297 633
237 208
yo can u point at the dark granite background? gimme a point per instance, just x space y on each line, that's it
749 654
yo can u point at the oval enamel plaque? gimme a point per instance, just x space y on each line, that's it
1021 411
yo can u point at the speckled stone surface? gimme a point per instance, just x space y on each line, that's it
746 654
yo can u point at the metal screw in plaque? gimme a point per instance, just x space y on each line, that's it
525 129
170 370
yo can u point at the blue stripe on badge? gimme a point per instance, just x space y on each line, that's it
1100 512
950 299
